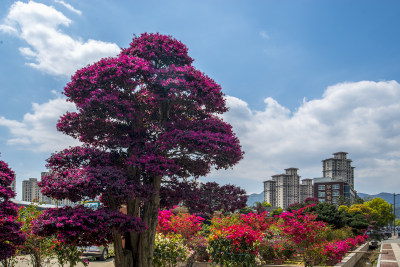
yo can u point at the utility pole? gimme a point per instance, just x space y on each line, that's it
394 213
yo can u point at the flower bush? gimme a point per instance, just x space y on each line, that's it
235 245
199 245
184 224
333 252
276 248
243 239
169 249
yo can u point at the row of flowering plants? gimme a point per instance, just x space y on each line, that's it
250 239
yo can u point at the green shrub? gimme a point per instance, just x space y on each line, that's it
169 249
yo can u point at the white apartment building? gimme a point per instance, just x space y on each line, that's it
339 168
306 189
31 192
285 189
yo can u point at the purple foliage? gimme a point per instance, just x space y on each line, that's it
10 235
146 113
83 226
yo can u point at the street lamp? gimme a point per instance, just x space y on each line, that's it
394 213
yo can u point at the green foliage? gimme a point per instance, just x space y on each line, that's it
338 234
68 254
342 200
246 210
222 252
260 207
358 221
381 209
330 214
168 250
358 200
277 211
39 248
276 248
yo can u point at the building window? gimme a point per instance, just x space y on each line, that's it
335 193
321 187
335 186
321 199
321 194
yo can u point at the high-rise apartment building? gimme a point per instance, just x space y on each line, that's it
284 189
339 168
306 189
270 193
31 192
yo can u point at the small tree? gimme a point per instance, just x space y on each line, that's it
382 210
11 236
39 248
146 117
261 207
342 200
210 197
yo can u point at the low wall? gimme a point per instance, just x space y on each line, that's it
351 259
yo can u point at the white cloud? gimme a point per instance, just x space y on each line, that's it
37 130
68 6
361 118
52 50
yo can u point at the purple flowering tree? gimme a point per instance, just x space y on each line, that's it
10 230
145 117
204 198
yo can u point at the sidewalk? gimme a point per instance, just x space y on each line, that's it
392 258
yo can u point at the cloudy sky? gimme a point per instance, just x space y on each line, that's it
303 79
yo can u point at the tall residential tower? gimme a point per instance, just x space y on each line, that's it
339 168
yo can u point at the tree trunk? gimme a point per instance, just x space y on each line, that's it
139 247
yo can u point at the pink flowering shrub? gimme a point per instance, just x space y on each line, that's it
303 230
258 222
333 252
234 246
184 224
11 236
351 242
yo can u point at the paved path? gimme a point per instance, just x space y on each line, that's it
392 248
24 262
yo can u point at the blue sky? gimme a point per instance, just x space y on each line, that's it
303 79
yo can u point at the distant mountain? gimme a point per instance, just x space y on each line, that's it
388 197
253 198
